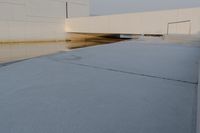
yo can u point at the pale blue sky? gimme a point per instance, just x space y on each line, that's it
101 7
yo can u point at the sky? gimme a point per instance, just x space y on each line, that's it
103 7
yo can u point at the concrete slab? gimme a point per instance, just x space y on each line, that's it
57 94
177 62
198 104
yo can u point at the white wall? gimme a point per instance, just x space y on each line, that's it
140 23
78 8
30 20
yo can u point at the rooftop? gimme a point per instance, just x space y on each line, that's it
129 87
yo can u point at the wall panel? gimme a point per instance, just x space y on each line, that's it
29 20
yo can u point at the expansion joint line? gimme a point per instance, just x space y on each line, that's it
133 73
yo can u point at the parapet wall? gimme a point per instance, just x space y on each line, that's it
179 21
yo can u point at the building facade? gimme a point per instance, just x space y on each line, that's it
51 20
36 20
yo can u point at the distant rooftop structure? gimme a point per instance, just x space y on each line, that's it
53 20
166 22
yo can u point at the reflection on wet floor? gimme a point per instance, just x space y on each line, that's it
13 52
92 42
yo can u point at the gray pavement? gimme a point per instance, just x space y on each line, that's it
198 104
126 87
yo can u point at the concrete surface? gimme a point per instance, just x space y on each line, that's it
166 61
129 87
198 104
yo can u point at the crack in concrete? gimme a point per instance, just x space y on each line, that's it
109 69
10 63
21 60
134 73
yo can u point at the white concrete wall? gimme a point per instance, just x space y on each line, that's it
155 22
30 20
